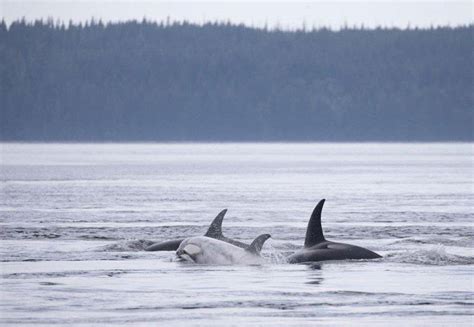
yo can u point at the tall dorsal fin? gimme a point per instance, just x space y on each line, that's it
257 244
215 230
314 232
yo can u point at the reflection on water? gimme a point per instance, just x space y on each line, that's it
315 274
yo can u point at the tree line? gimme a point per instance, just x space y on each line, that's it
146 81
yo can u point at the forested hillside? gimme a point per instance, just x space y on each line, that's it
142 81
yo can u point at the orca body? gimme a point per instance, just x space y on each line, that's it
317 248
206 250
214 231
171 245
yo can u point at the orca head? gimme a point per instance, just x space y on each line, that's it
188 251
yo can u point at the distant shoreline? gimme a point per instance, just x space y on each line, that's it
178 82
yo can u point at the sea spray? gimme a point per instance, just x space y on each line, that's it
272 254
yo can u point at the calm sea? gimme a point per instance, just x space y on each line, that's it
75 218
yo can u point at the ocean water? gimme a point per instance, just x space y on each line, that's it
75 218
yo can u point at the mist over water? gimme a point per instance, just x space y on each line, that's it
75 219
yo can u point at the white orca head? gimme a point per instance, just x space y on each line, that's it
188 251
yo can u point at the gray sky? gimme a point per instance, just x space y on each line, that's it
287 15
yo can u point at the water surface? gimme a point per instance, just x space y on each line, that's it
75 219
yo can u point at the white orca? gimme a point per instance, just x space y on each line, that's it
206 250
317 248
214 231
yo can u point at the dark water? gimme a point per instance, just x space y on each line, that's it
76 217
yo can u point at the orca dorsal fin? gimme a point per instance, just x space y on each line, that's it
314 232
257 244
215 229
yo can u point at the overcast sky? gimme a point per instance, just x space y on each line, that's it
288 15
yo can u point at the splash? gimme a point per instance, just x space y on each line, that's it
273 255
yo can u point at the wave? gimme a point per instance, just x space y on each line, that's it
435 255
127 246
436 240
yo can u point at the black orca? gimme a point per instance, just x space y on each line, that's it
317 248
214 231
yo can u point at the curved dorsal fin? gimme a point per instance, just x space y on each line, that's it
215 230
314 232
257 244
